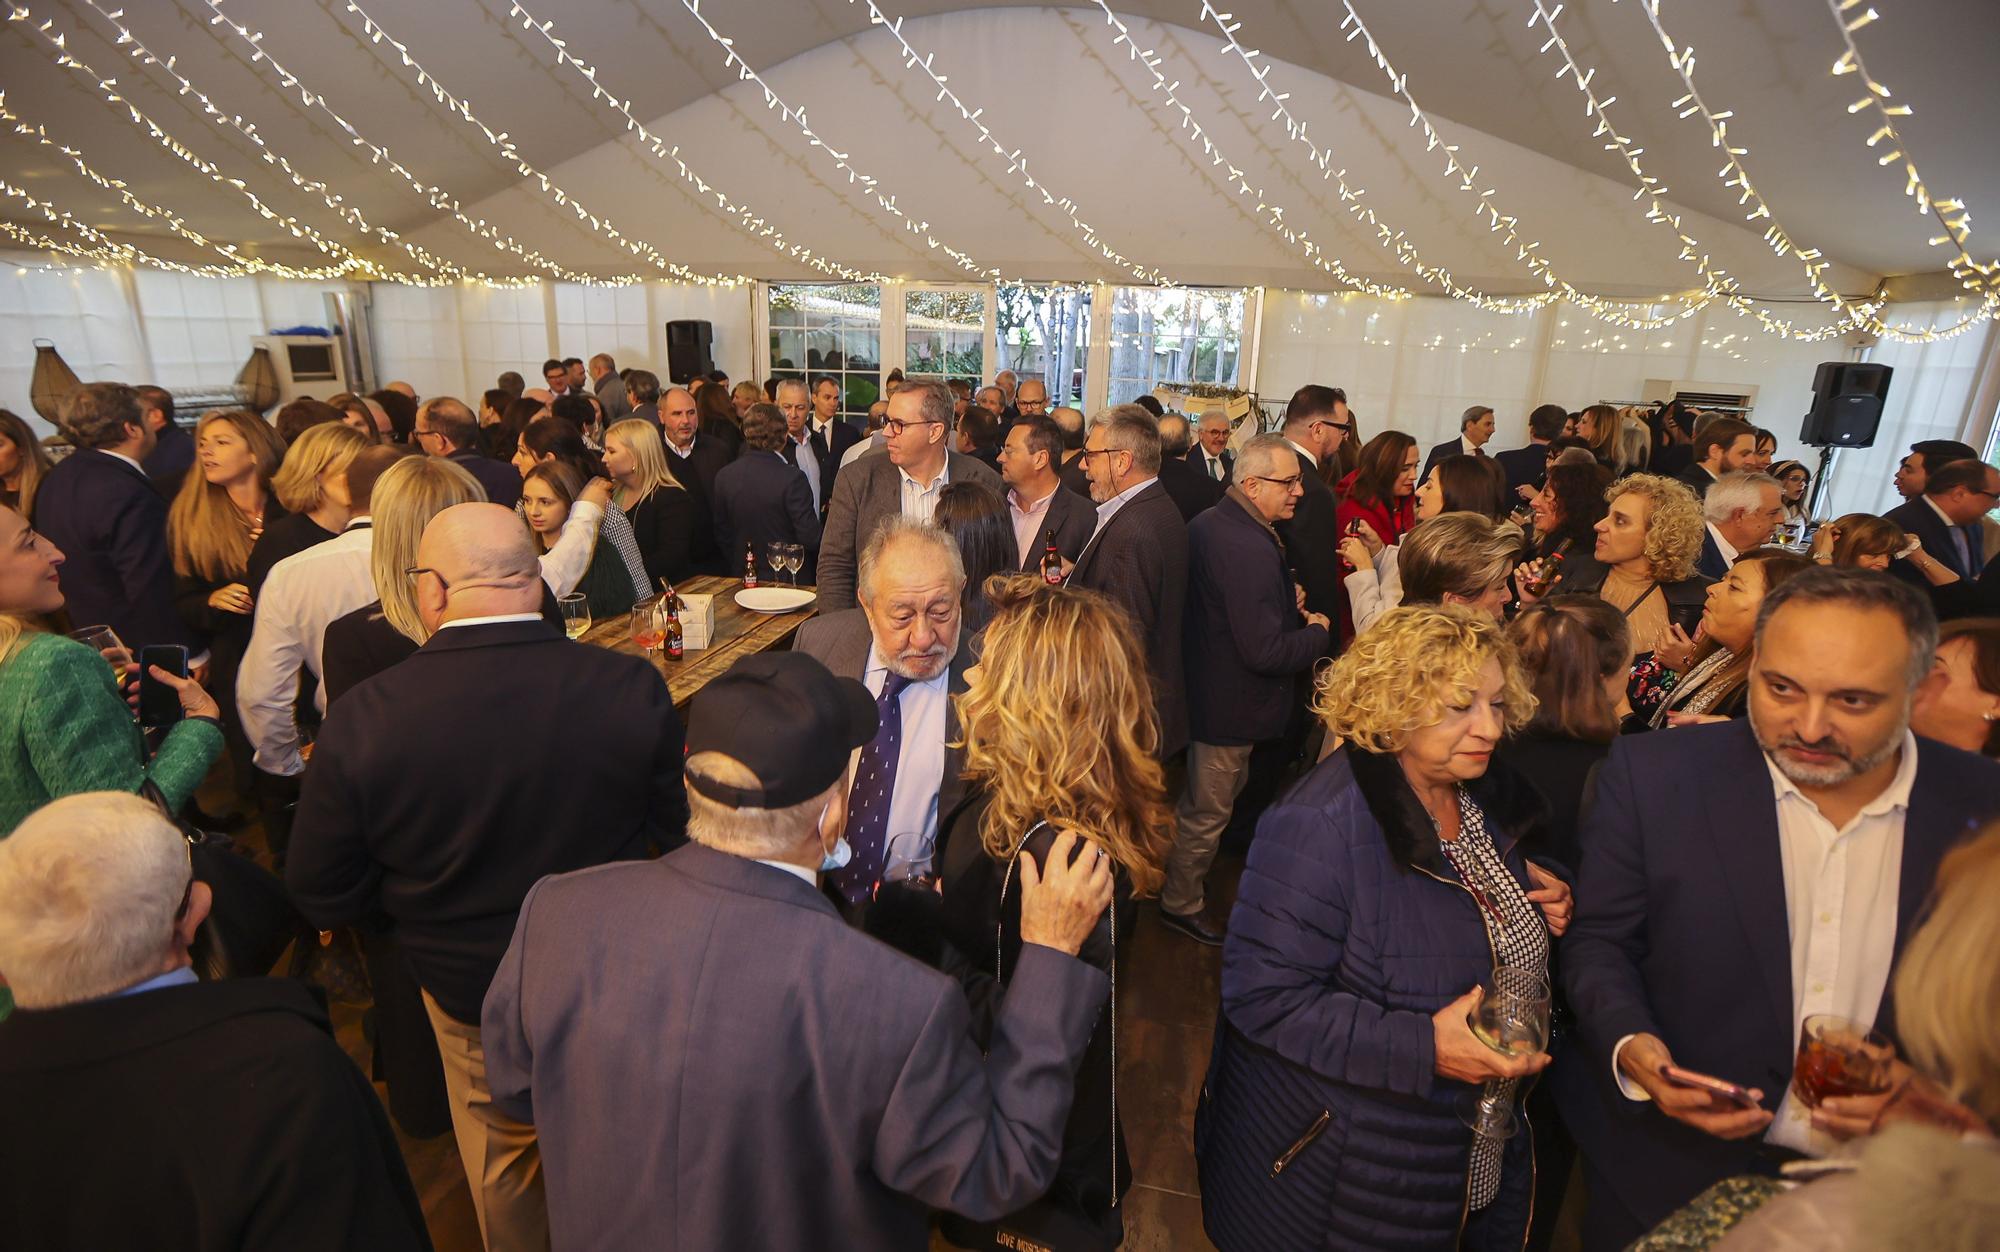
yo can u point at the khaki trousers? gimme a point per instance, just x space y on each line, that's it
503 1163
1215 777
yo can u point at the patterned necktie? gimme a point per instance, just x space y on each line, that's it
868 801
1214 467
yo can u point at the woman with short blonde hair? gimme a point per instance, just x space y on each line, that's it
312 483
1055 746
1330 1059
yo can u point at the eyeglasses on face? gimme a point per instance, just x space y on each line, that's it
896 425
1285 483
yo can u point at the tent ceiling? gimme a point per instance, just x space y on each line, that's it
1053 84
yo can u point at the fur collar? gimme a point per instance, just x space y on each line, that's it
1515 812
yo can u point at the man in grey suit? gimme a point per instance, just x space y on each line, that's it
919 464
1139 553
779 1080
609 388
905 642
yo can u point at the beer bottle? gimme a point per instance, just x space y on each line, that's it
749 565
1052 562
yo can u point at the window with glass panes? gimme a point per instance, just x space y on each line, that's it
828 329
1043 331
1173 335
944 334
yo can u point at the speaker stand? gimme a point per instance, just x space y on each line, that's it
1819 482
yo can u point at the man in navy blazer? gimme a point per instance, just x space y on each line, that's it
1246 639
1740 877
761 498
173 448
446 427
101 509
1475 427
1945 518
713 1059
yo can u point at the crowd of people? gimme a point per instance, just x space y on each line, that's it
1609 716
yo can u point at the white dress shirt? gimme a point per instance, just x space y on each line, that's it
142 469
683 453
1727 548
1028 521
1211 466
492 619
872 444
302 596
808 464
1109 509
1306 453
1840 909
1468 447
920 499
913 807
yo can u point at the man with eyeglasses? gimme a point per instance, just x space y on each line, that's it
1247 641
1946 518
447 428
404 814
919 464
1316 421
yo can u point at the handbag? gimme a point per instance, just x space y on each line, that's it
250 920
1052 1223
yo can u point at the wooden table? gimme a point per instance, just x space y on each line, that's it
738 633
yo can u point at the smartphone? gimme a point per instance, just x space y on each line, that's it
159 704
1354 528
1727 1090
1685 616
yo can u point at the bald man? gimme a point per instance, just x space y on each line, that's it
400 386
405 811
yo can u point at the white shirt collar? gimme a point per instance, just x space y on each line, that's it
1036 506
1465 442
1927 500
799 872
1306 453
876 665
1894 796
142 469
490 620
943 477
1727 548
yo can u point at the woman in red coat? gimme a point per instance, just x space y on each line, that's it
1380 495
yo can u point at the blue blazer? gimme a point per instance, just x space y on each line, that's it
761 498
1680 932
1919 519
1711 564
500 481
111 525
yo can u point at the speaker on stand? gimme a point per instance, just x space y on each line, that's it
1846 412
690 350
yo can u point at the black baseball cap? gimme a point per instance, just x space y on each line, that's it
786 717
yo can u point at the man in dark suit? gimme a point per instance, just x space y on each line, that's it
1527 466
795 405
1741 510
978 436
1070 422
447 428
1138 554
829 435
905 642
1037 504
1946 518
1475 427
907 480
173 1113
101 509
642 395
761 498
1210 455
1925 457
1189 489
173 448
1246 642
1724 446
1741 876
1316 421
697 461
397 817
670 1015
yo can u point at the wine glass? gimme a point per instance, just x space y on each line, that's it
575 614
649 631
795 560
105 642
1512 1017
774 556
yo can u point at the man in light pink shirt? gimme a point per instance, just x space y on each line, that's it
1036 500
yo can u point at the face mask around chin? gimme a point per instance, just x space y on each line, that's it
842 853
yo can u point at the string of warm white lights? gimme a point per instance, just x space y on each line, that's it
152 212
102 247
1736 177
747 219
797 117
1272 214
1017 164
1972 275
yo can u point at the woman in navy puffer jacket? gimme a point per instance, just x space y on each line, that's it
1379 891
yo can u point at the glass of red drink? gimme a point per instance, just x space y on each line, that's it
1838 1057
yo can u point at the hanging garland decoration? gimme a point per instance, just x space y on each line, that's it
1736 177
1016 163
103 250
1974 276
747 219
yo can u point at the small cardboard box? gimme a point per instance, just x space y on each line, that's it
697 619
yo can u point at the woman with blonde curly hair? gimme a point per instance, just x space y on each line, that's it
1379 893
1052 745
1643 561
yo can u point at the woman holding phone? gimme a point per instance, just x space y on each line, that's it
1710 669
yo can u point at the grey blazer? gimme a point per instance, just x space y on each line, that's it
712 1058
864 493
840 641
1140 559
610 392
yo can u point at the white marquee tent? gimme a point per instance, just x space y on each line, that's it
1429 202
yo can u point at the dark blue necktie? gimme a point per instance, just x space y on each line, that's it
868 801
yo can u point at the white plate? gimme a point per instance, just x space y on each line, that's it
774 599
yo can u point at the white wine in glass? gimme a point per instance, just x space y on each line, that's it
575 614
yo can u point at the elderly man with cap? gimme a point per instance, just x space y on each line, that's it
438 796
714 1059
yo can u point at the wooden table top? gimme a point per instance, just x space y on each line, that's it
739 632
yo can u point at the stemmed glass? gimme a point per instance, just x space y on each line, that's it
649 629
774 556
105 641
1512 1017
575 614
795 561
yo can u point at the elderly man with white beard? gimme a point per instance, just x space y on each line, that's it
906 645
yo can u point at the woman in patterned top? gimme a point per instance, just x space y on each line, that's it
1378 893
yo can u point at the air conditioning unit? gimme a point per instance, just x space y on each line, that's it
1735 399
306 365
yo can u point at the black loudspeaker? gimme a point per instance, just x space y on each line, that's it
689 350
1847 405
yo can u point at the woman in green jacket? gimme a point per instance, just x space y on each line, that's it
64 723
